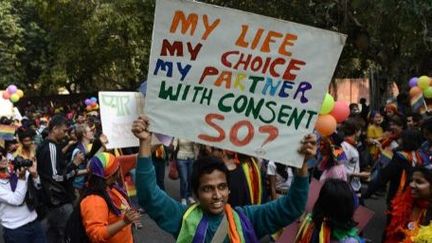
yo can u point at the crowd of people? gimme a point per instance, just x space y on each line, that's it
59 182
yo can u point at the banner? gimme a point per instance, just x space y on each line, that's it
237 80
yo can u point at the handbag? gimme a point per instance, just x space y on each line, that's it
173 172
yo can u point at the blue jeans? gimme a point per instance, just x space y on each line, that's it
28 233
184 168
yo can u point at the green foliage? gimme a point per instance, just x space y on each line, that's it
11 45
89 45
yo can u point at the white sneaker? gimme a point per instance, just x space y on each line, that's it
191 200
183 201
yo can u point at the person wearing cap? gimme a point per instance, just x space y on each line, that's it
106 213
212 219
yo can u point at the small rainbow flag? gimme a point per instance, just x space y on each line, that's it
417 103
7 132
130 186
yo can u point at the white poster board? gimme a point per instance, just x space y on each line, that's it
118 110
6 107
237 80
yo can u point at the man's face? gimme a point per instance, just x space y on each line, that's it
213 192
89 133
395 129
27 142
80 119
410 122
355 110
60 132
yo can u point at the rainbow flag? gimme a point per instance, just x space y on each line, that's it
417 103
130 185
7 132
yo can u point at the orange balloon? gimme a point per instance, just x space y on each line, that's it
414 91
326 125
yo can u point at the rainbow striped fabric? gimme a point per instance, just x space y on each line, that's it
7 132
417 103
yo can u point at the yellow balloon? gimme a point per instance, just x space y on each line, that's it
20 93
423 82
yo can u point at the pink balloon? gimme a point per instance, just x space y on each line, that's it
6 95
340 111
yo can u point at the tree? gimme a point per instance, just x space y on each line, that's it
105 44
11 45
393 38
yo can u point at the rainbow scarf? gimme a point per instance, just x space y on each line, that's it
119 199
307 233
195 224
7 132
254 181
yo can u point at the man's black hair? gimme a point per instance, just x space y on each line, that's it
206 165
427 124
25 132
56 121
349 127
398 121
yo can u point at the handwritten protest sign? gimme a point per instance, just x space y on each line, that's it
237 80
118 111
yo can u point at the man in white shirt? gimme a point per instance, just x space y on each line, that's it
18 221
352 166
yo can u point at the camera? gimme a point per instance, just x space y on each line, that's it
20 162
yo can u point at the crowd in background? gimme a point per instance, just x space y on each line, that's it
57 168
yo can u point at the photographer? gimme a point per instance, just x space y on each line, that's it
56 178
18 220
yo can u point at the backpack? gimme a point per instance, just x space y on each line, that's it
75 231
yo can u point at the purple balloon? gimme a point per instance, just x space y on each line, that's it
12 89
413 82
87 102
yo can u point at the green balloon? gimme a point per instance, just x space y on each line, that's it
327 105
14 98
423 82
428 93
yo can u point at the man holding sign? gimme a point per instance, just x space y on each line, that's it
212 219
240 82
